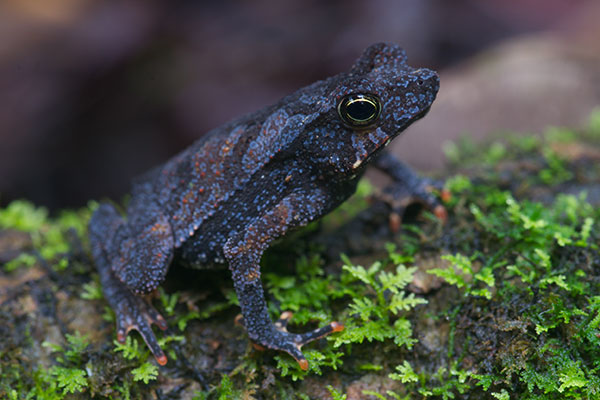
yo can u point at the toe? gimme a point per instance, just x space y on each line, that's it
440 212
139 316
300 340
303 364
153 317
146 332
319 333
294 350
395 221
284 319
445 195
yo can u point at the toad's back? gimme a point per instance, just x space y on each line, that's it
234 169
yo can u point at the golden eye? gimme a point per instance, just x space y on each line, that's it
359 110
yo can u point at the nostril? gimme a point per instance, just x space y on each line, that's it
420 82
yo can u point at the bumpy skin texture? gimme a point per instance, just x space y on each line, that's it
223 200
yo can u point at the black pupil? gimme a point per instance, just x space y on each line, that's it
361 110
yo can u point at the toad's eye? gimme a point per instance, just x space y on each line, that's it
359 110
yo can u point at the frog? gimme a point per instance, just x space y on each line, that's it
222 201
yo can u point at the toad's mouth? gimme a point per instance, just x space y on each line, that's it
422 113
413 120
389 139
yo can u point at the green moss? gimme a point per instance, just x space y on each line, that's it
594 123
69 380
146 372
51 237
336 395
68 375
541 258
375 310
378 303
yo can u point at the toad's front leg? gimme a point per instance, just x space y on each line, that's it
243 252
408 188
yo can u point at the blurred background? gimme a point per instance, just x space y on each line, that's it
93 93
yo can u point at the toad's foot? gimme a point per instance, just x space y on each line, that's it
135 313
428 192
408 188
280 339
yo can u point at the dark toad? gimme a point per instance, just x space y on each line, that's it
224 199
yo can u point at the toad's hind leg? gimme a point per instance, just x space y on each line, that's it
116 264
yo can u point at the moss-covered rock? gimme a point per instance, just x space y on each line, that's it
498 303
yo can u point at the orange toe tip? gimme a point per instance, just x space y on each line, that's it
162 325
446 195
303 364
395 221
161 360
441 213
286 315
238 320
337 327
